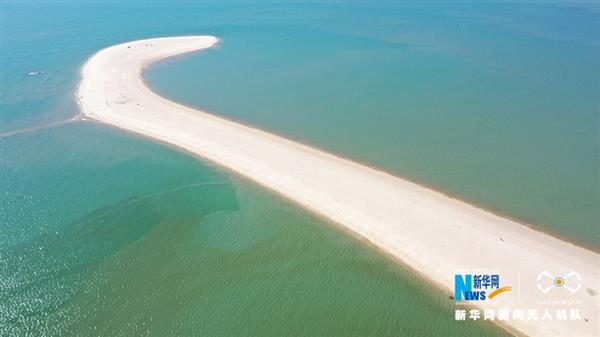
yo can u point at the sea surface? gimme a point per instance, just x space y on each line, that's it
103 233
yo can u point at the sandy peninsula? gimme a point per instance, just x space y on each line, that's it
433 234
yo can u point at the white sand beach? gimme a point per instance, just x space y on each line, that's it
435 235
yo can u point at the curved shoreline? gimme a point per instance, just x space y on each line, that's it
431 233
473 203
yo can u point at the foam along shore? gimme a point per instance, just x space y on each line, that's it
435 235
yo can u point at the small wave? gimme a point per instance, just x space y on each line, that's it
39 127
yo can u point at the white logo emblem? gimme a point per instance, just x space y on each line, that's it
559 282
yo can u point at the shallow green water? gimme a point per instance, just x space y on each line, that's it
118 236
107 234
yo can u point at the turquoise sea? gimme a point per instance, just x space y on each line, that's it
103 233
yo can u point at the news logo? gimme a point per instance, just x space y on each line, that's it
477 287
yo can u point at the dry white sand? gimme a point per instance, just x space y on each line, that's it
433 234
